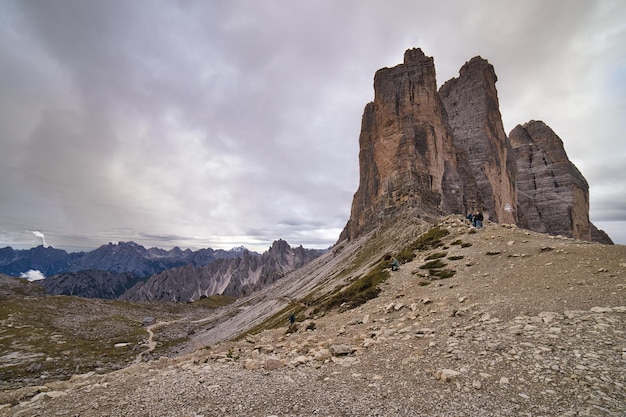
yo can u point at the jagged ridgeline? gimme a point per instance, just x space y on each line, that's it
437 152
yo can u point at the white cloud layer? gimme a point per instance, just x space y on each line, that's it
32 275
216 124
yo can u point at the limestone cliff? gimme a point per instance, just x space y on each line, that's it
407 157
426 153
471 101
553 196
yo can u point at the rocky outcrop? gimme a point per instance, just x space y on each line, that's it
471 101
407 157
600 236
235 277
553 196
426 152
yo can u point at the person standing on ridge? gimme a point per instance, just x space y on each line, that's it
478 219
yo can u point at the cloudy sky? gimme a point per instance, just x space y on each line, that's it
224 123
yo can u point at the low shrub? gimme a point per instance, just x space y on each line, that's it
361 290
430 240
442 274
433 264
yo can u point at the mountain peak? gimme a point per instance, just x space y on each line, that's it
431 153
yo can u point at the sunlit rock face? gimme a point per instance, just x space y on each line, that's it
407 157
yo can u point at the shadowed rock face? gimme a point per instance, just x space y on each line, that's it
471 101
427 152
553 196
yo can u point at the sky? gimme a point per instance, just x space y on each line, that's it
225 123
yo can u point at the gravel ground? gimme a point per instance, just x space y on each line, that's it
529 325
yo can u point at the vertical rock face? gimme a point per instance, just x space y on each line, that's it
407 158
471 101
442 152
553 196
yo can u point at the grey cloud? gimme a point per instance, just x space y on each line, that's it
237 122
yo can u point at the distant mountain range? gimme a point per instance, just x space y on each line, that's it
234 277
129 271
115 258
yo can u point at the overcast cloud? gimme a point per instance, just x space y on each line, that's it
223 123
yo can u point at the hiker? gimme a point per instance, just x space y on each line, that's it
292 318
478 220
395 265
470 218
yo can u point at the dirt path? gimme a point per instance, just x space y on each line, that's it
151 343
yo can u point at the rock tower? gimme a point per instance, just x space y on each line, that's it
432 153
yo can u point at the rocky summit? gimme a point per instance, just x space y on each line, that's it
438 152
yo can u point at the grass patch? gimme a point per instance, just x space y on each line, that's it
62 336
441 274
433 264
214 301
466 245
430 239
436 255
455 258
406 255
361 290
457 242
493 253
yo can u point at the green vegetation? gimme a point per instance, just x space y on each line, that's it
492 253
436 255
361 290
441 274
214 301
455 258
433 264
429 240
466 245
57 336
